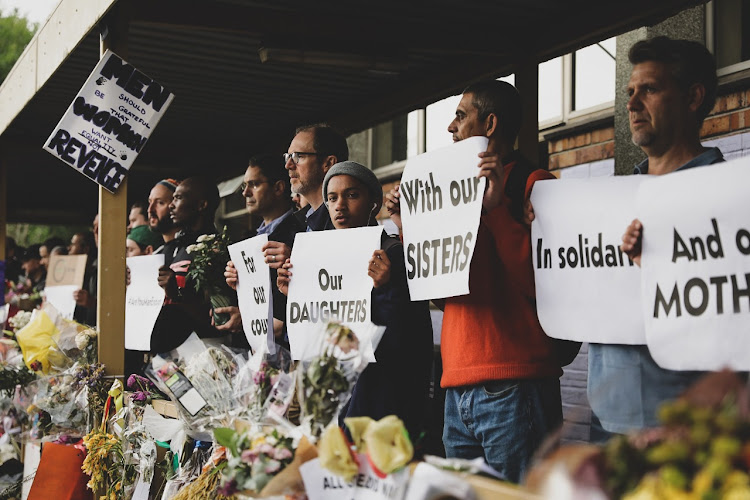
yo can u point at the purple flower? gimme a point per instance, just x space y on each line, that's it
228 488
139 396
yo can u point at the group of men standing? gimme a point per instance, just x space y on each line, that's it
500 369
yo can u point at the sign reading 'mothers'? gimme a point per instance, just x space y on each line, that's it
109 122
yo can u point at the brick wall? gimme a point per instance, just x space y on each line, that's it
584 148
730 114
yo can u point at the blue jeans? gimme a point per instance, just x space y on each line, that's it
503 421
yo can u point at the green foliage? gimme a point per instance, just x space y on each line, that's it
28 234
15 33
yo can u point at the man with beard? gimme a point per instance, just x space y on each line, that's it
158 210
192 211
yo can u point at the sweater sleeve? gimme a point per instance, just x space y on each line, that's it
512 240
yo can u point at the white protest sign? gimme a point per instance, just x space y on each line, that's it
586 288
109 122
441 202
322 484
65 276
696 267
143 300
254 291
329 282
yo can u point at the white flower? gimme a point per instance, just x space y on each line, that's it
205 237
82 340
200 246
191 248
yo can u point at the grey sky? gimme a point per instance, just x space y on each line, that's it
35 11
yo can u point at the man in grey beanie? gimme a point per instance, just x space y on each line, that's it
398 383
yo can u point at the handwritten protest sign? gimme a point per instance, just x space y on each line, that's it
143 300
586 288
322 484
441 202
254 291
329 282
696 267
64 276
109 122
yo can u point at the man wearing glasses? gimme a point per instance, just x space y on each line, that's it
267 195
314 150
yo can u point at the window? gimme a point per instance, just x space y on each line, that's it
577 84
728 22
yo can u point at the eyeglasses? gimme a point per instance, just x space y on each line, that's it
252 184
296 156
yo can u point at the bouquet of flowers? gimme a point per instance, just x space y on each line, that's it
210 256
265 383
197 377
254 458
326 382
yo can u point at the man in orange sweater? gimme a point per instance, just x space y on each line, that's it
499 367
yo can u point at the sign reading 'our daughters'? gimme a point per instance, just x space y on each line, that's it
109 122
329 282
441 203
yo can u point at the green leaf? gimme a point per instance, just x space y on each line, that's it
227 438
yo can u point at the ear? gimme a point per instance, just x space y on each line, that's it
202 205
278 188
329 161
148 250
490 124
696 96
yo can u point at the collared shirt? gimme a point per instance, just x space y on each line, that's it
317 219
626 386
269 228
708 157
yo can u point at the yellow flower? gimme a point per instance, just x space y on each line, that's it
257 441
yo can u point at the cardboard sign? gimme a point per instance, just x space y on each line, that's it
329 282
321 484
66 270
696 267
65 275
586 288
143 300
254 291
441 203
109 122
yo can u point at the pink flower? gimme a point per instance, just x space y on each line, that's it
266 448
272 466
282 454
248 456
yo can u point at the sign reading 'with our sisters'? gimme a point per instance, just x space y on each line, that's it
109 122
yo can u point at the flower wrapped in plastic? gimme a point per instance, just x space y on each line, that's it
264 386
198 379
326 381
74 398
